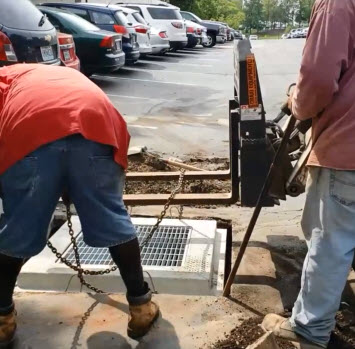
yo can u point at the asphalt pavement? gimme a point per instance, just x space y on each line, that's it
178 104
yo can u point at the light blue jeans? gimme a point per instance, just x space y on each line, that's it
328 224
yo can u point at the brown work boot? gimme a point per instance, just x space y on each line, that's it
7 329
281 327
143 314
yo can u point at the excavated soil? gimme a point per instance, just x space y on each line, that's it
145 162
249 331
344 334
246 334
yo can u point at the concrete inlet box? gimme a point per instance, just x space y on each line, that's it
185 257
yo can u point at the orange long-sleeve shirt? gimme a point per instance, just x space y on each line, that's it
326 87
40 104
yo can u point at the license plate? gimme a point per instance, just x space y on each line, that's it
47 53
66 55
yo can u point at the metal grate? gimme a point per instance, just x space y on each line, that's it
166 248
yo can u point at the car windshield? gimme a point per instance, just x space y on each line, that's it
196 17
121 18
23 15
137 16
164 13
78 22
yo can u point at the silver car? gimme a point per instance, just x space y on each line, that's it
159 40
142 30
155 42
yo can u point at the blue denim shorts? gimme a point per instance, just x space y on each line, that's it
31 188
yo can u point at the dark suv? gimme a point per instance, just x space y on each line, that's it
107 17
26 35
216 32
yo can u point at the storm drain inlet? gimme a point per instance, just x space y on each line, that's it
167 248
183 257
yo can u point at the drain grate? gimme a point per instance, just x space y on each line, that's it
166 248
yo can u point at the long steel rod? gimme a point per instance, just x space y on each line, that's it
264 192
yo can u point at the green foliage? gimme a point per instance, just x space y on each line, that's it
253 14
229 11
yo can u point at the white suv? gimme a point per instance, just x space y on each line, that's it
162 16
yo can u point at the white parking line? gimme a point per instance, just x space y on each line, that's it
170 71
134 97
144 80
208 59
141 126
178 63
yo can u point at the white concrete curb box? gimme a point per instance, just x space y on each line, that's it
201 272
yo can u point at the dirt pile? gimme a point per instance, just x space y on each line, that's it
249 331
344 334
145 162
244 335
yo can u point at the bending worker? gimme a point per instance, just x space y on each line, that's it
325 92
60 133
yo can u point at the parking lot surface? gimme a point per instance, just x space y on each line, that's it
178 103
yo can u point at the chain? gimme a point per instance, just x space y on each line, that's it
77 268
165 209
181 208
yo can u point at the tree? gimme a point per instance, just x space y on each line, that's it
304 10
229 11
270 11
185 5
253 10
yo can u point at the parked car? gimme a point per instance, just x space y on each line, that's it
305 32
284 36
67 51
142 29
99 51
215 31
296 33
237 35
110 18
158 37
229 32
204 37
26 35
253 37
163 16
223 31
195 34
159 40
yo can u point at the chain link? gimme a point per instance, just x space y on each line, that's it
77 268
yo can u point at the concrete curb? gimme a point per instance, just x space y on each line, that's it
267 341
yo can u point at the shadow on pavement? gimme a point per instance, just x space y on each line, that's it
107 340
288 266
161 336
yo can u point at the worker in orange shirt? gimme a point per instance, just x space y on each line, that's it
60 133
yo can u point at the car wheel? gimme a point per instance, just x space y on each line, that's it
211 40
